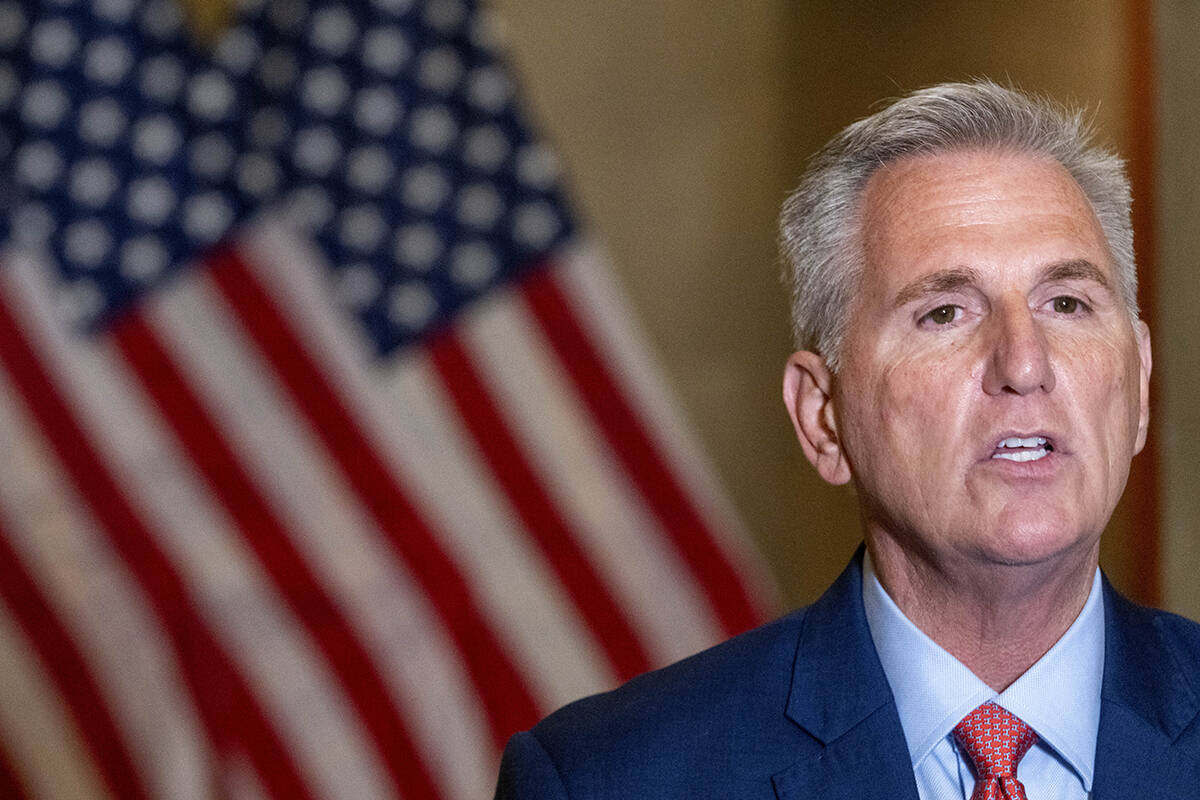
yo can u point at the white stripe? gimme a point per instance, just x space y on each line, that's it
403 409
339 541
39 734
604 313
260 430
234 596
624 542
103 610
241 782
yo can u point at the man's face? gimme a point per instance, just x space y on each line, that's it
993 388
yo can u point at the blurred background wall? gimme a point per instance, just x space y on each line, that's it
684 124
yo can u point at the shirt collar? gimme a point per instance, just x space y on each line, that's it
1059 696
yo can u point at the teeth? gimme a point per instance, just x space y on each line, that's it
1024 455
1015 441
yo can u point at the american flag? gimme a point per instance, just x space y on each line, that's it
329 456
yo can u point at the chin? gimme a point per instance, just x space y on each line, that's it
1029 542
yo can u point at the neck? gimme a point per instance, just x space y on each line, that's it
998 619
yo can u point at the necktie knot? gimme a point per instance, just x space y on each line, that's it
995 740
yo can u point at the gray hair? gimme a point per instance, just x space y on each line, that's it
818 228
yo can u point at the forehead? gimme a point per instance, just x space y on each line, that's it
993 212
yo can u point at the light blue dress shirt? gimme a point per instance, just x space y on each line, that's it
1059 697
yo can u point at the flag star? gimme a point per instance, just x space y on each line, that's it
411 305
38 165
440 70
150 200
93 182
161 78
162 18
333 30
418 246
376 110
324 90
210 96
143 258
369 169
53 42
433 128
206 216
424 188
258 175
238 50
114 11
535 224
45 104
385 50
479 205
309 208
487 31
317 150
488 88
277 70
156 139
211 156
12 25
86 243
445 16
101 122
486 147
537 167
361 228
473 265
107 60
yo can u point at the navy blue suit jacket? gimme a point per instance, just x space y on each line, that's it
800 709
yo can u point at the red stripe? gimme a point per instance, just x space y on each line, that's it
65 665
635 449
230 713
542 520
200 438
506 700
11 787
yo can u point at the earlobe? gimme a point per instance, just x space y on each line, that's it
808 395
1143 339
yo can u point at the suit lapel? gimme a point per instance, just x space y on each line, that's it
840 696
1146 703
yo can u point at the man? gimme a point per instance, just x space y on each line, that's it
973 362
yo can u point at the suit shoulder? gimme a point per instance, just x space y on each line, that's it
708 703
1183 637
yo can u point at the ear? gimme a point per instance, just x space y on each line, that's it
1143 339
808 395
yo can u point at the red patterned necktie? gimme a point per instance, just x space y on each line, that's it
995 741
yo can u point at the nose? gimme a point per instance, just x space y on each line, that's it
1019 360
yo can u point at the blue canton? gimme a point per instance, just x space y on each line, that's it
386 131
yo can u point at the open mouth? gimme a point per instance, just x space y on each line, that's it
1017 448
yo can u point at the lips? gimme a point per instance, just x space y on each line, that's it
1023 448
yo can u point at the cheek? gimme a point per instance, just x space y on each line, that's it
903 412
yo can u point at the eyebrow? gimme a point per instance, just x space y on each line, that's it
1077 269
944 280
949 280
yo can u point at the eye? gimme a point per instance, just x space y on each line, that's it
1067 305
943 315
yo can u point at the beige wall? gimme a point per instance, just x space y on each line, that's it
1177 358
683 124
